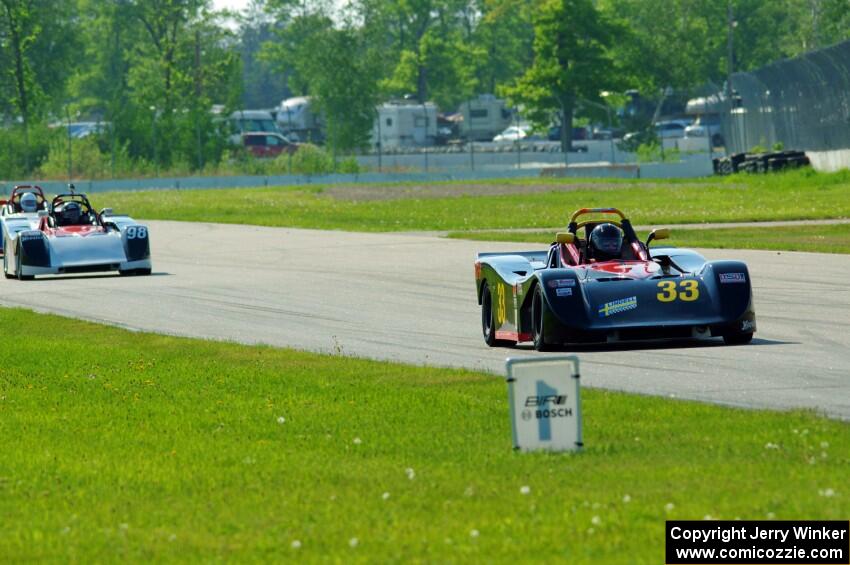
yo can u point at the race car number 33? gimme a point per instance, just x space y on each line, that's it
686 291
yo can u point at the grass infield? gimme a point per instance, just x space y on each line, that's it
126 446
516 203
814 238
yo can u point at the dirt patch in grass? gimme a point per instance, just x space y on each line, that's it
364 192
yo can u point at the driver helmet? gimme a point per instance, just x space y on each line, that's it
606 242
71 213
29 203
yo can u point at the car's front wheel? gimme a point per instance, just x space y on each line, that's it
738 339
539 309
134 272
6 266
18 267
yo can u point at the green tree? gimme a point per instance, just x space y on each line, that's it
36 41
426 47
500 36
571 62
338 64
263 85
154 69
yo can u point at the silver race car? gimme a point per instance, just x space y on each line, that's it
69 236
22 208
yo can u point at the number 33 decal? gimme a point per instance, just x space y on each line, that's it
688 291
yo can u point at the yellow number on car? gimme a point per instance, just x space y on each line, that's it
668 291
689 290
500 304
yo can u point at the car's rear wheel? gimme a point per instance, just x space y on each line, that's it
539 310
488 319
738 339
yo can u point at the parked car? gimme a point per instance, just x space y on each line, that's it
512 133
706 125
670 130
579 133
632 140
263 144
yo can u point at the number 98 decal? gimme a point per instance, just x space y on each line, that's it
140 232
686 291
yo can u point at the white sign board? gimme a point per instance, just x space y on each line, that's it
543 393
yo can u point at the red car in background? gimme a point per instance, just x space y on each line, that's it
263 144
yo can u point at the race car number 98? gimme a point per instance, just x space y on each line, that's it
687 291
134 232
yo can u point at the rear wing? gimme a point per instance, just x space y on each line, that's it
117 220
509 266
528 255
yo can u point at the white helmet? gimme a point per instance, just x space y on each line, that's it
29 203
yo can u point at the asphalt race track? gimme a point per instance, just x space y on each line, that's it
411 298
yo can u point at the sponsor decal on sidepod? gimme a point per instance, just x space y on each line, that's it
564 291
617 306
726 278
557 283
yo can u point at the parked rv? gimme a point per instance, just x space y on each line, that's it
405 124
297 120
484 118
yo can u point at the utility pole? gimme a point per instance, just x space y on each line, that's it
469 135
518 146
425 137
730 47
289 137
154 112
70 162
198 92
378 144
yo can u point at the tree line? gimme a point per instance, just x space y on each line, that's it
153 69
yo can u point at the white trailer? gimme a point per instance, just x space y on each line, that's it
405 124
484 117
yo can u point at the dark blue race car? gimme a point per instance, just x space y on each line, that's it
599 283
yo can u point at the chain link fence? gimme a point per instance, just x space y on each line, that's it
801 103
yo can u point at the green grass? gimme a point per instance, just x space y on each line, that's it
789 196
124 446
813 238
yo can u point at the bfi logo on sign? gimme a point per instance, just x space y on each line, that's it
545 406
542 400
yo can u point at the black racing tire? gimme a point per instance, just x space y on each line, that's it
18 269
134 272
539 309
488 321
738 339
